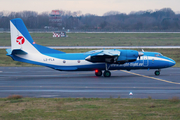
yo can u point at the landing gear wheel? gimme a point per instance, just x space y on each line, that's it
157 73
107 73
98 73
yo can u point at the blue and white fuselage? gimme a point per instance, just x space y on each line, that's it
24 49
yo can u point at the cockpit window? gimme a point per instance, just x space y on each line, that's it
158 55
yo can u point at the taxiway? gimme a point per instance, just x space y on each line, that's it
46 82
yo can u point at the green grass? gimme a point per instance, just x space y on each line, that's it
7 61
102 39
88 109
171 53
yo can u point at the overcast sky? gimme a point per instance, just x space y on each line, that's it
97 7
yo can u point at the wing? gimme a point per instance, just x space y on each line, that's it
113 56
106 56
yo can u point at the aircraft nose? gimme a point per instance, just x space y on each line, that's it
172 63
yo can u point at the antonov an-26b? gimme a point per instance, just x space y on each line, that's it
24 49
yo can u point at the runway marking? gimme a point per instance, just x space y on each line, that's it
169 88
151 77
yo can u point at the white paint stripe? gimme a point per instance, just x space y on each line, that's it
151 77
57 61
169 88
160 59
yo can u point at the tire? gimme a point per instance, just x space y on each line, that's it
99 73
157 73
107 73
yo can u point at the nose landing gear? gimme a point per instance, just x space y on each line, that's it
157 72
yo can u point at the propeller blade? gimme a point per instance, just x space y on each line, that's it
140 54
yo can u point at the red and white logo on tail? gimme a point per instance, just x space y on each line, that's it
20 40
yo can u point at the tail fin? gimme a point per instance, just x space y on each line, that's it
20 37
22 42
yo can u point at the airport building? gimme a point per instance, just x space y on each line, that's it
55 18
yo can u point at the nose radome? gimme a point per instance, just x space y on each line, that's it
172 63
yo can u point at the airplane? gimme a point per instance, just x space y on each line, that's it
24 49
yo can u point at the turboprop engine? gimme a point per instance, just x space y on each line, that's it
128 56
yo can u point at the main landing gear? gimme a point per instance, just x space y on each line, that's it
157 72
106 73
98 73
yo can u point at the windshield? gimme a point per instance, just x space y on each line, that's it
158 55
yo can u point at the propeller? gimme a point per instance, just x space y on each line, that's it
140 54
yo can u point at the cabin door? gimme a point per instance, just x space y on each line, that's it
145 61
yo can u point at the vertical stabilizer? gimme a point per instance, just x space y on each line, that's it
20 37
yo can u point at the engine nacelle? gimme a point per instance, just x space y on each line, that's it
127 56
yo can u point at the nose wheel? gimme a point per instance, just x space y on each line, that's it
157 72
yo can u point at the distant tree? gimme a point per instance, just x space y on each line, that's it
43 20
103 24
111 13
163 19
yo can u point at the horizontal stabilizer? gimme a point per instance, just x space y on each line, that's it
15 51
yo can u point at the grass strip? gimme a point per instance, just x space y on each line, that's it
89 109
102 39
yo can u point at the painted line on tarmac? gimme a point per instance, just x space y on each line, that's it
151 77
60 75
89 87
